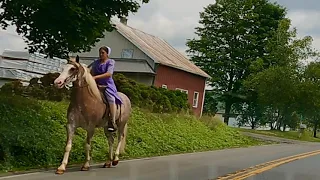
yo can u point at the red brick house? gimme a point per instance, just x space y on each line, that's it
151 60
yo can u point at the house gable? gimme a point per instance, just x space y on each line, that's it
120 46
159 50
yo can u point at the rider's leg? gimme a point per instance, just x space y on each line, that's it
113 111
112 126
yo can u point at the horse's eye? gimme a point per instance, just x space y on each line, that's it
72 69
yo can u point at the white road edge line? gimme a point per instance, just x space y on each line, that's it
19 175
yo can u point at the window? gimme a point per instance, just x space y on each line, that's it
164 86
182 90
195 99
127 53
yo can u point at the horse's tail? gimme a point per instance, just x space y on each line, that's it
123 144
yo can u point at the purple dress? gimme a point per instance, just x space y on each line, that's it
111 90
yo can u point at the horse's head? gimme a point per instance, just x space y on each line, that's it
70 73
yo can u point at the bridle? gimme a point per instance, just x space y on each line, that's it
75 74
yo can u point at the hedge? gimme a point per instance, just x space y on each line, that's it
155 99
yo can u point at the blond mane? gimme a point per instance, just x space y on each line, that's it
93 88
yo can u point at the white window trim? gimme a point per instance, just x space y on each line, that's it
164 86
203 95
182 90
197 100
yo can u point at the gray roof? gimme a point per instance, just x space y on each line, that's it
17 74
24 66
125 65
159 50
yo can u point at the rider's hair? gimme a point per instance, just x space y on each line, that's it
105 49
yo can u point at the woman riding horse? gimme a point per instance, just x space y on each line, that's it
102 71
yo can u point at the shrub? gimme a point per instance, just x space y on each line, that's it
13 88
39 88
158 100
152 98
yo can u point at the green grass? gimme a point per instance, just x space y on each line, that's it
32 135
306 136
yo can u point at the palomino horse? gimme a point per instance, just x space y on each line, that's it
88 110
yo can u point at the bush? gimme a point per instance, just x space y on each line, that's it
33 134
157 100
39 88
152 98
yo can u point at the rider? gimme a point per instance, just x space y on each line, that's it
102 71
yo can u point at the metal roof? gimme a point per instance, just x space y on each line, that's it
24 66
126 65
159 50
17 74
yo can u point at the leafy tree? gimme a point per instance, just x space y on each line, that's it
285 49
233 37
309 95
278 86
210 103
57 27
271 116
251 112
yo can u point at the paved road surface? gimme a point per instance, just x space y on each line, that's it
304 169
198 166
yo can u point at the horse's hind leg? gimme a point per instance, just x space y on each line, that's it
120 142
70 134
110 137
86 165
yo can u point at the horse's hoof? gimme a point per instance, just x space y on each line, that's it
107 165
59 171
114 163
85 168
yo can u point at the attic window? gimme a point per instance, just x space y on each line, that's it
127 53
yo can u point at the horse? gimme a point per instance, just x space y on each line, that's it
88 109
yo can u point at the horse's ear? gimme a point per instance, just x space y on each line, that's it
77 59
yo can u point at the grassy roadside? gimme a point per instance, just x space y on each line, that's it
306 136
32 135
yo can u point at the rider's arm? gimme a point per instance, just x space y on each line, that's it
108 73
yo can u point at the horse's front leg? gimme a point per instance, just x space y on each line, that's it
110 137
70 134
86 165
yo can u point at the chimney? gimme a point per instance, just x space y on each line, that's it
124 20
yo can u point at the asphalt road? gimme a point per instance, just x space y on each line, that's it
199 166
304 169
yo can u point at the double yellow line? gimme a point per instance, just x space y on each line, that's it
251 171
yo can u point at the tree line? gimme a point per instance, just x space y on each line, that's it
259 66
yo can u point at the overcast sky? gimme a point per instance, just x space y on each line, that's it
175 21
